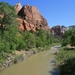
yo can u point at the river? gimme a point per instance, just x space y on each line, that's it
41 63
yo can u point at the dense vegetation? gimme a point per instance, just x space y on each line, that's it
69 37
65 59
11 38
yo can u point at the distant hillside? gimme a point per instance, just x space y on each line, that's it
60 30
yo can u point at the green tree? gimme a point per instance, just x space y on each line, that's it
73 38
8 27
42 34
8 16
69 37
29 39
39 42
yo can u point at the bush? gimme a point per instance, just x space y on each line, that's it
16 59
68 68
65 60
69 37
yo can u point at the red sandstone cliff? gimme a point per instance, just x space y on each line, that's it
57 30
31 19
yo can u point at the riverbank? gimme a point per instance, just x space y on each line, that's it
38 64
18 56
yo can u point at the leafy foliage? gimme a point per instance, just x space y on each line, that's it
65 59
8 27
68 68
8 15
69 37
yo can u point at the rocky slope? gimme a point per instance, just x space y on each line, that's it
31 19
57 30
60 30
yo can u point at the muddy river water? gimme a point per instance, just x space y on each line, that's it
41 63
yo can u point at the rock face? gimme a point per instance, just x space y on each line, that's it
24 25
31 19
18 7
57 30
60 30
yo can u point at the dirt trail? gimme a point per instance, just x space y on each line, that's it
38 64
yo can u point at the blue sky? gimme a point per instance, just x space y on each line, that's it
56 12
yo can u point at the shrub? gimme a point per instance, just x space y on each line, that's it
65 60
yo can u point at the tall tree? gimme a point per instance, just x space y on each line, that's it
8 16
8 27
